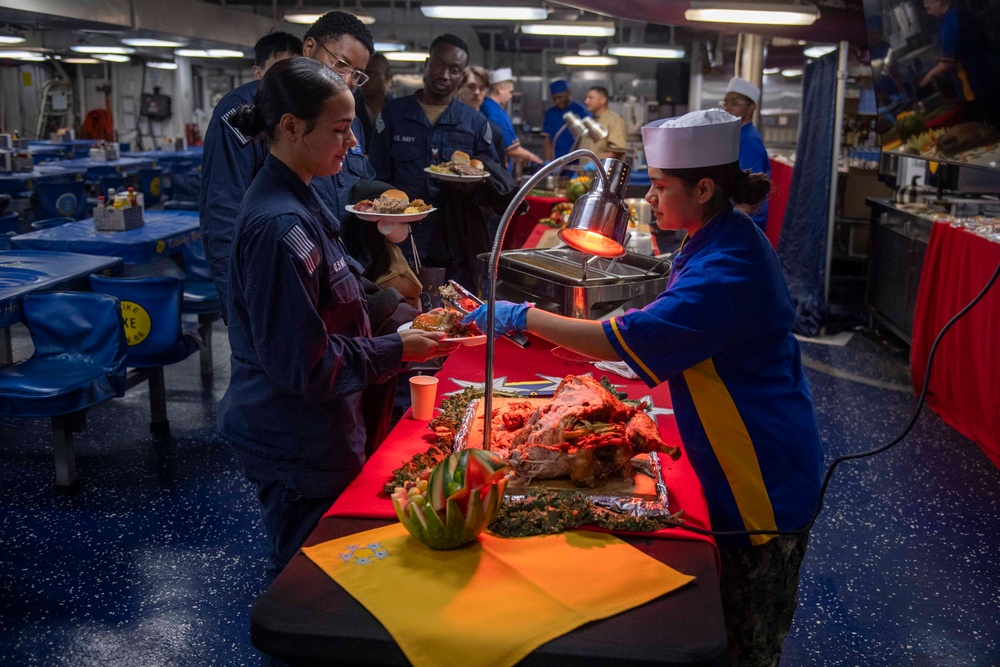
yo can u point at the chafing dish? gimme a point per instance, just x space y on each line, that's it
571 283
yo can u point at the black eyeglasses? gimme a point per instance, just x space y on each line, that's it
733 102
344 69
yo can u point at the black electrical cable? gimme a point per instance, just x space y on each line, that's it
878 450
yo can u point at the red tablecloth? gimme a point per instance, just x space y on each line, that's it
965 380
521 227
364 497
781 184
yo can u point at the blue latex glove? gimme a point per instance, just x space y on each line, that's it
509 317
589 166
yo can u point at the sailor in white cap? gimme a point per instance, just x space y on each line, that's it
721 336
493 107
742 98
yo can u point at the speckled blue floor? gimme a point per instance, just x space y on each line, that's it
159 557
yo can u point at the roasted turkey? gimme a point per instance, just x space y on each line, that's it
584 433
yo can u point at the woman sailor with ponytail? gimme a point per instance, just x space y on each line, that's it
299 329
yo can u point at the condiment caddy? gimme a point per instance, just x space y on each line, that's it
16 161
63 134
106 151
119 211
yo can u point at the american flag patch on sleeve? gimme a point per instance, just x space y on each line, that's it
241 139
302 247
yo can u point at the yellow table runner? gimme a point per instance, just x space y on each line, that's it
495 601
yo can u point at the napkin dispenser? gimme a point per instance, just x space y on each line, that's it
6 142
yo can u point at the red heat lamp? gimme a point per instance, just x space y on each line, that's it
597 226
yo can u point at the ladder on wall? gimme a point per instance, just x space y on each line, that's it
56 106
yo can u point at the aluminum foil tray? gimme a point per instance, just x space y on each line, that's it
656 507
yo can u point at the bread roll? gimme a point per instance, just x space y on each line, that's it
478 164
396 194
460 157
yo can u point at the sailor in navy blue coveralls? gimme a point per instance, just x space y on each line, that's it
229 165
405 143
302 353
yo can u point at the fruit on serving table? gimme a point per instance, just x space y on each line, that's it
456 502
909 126
577 188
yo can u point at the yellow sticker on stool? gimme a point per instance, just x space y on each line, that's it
136 321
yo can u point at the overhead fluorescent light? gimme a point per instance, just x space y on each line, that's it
81 61
308 18
152 43
159 64
407 56
587 61
302 18
762 14
819 50
86 48
26 56
10 37
670 52
113 57
382 47
791 72
208 53
570 29
484 12
772 70
588 49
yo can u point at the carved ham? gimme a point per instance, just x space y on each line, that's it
584 433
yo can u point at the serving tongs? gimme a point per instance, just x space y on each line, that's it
518 339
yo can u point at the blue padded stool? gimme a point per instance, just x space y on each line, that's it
63 199
151 317
151 184
200 298
78 362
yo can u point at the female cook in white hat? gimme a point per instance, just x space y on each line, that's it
721 336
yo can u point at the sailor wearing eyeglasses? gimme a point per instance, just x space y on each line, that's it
231 161
741 101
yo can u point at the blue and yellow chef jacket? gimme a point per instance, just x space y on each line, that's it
230 163
495 113
302 351
554 122
721 336
753 156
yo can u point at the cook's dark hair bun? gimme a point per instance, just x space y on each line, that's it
246 119
751 188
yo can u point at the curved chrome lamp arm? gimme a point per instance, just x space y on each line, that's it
494 263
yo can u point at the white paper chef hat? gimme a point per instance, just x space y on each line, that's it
502 74
698 139
745 88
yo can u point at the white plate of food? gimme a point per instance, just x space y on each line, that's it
449 321
457 178
459 169
392 205
370 216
